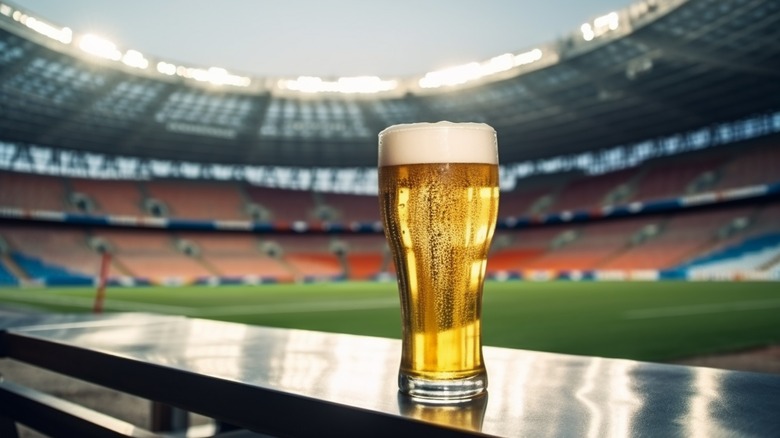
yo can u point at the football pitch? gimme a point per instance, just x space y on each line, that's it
637 320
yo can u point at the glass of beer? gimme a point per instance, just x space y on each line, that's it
438 193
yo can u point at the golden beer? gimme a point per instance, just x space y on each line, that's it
439 219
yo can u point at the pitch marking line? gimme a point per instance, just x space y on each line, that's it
48 298
701 309
301 307
257 309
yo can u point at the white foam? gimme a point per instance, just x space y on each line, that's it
441 142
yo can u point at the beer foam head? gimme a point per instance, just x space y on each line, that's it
441 142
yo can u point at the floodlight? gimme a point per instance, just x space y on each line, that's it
474 70
600 26
61 34
346 85
166 68
134 58
213 75
587 32
99 46
528 57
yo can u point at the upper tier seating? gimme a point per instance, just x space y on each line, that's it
353 208
284 205
671 177
711 169
750 166
518 203
199 199
32 192
120 198
589 192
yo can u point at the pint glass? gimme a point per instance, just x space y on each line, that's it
438 191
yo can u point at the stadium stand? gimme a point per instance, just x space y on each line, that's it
42 252
283 205
367 256
312 257
654 242
755 254
524 201
679 238
749 166
512 250
658 126
592 192
669 178
765 221
198 199
748 244
30 191
6 278
152 255
121 198
236 255
351 208
590 245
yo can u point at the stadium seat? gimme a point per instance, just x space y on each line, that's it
199 199
284 205
121 198
152 255
32 192
759 164
59 251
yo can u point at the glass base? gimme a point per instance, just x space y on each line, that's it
443 390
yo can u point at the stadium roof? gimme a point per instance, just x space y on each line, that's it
656 68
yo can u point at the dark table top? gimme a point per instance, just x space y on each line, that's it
295 382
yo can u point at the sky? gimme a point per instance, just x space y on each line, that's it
398 38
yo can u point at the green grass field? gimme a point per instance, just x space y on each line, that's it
638 320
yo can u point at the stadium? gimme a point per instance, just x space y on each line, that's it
639 215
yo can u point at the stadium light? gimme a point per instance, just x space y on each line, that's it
528 57
472 71
456 75
213 75
587 32
166 68
600 26
346 85
99 46
136 59
61 34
